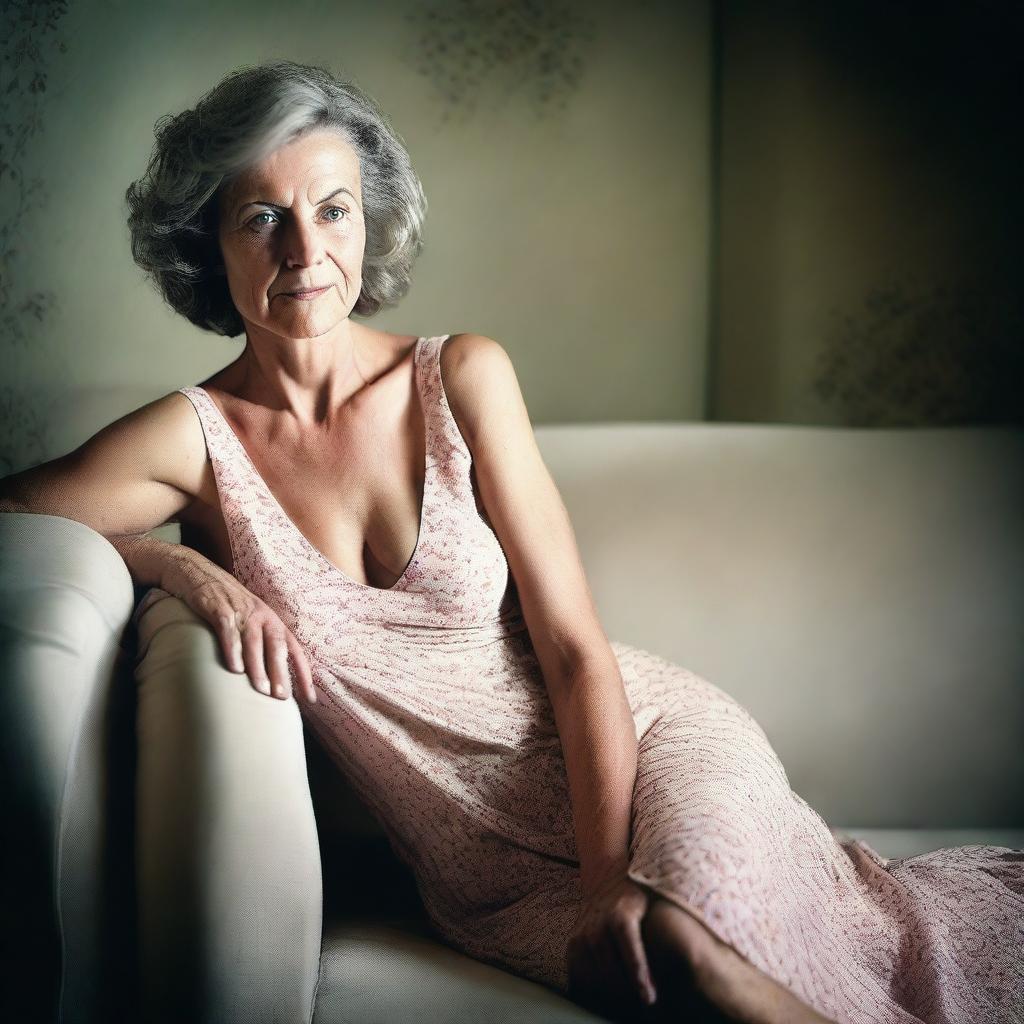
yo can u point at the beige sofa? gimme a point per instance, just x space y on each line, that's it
860 591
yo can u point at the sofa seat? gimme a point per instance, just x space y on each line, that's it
374 967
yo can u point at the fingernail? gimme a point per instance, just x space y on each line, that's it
264 687
279 690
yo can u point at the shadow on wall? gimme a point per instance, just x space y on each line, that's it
870 213
913 356
945 79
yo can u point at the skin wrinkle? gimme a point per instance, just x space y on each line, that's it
264 258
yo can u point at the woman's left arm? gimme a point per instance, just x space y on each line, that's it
581 673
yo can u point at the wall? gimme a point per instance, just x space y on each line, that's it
868 211
766 212
564 155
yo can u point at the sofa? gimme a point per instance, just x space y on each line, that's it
174 833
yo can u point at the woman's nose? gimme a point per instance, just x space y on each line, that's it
302 243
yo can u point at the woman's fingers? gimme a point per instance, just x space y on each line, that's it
265 648
277 659
303 675
226 625
252 636
252 654
634 957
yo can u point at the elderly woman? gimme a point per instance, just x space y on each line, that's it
367 523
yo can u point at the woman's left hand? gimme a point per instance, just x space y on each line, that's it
606 955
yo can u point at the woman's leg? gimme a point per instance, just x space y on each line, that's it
700 978
228 861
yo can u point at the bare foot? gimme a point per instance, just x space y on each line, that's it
730 983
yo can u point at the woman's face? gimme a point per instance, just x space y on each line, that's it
295 221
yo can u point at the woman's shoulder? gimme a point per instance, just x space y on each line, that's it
478 376
170 433
466 358
165 441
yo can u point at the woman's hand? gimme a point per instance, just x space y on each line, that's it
607 960
252 636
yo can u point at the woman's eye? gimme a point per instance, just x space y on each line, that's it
255 222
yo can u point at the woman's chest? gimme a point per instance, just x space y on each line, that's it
369 529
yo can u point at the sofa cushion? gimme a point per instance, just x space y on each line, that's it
375 972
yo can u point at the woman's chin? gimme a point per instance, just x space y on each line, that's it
299 328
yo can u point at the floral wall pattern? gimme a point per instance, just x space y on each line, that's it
925 355
30 39
528 47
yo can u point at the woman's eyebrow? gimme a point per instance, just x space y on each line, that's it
278 206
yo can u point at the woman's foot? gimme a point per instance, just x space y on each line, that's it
727 984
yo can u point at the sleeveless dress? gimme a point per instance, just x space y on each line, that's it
431 701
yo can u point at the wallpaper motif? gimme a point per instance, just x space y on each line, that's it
529 48
913 355
28 41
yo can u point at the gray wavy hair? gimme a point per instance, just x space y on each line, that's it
252 111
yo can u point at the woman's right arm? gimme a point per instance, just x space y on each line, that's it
134 475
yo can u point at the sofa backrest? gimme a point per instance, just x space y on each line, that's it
860 591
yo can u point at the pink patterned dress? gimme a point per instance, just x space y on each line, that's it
431 700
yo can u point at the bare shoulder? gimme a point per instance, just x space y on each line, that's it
168 434
479 379
475 350
163 440
142 470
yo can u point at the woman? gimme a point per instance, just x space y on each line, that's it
366 517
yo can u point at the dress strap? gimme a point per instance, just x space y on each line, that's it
228 470
218 441
444 439
260 533
233 470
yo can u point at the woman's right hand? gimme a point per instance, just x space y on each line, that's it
251 634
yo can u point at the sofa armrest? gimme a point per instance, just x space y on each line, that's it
228 869
65 599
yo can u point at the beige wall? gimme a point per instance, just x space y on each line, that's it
569 209
869 213
721 209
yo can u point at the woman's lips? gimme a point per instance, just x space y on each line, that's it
307 294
